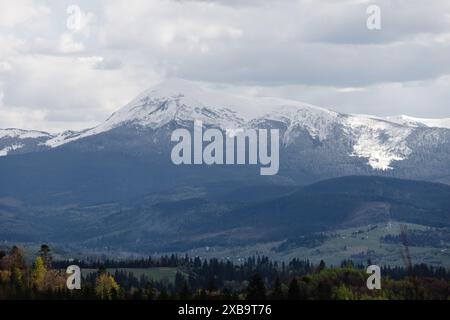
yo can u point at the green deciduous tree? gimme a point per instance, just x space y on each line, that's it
38 274
106 288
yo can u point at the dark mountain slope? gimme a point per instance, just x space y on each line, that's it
344 202
211 215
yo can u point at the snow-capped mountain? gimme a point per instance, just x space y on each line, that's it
129 154
380 142
20 141
115 185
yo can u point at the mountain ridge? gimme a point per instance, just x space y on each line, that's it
380 140
129 155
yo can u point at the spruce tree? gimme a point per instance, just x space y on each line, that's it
294 290
277 292
256 289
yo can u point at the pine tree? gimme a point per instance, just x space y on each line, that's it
163 294
211 285
138 294
149 292
256 289
185 293
46 256
322 265
180 280
294 290
324 289
16 258
277 292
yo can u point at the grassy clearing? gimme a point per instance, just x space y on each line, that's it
358 244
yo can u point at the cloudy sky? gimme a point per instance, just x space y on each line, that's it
69 64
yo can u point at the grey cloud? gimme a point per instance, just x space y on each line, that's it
400 20
420 99
319 64
312 51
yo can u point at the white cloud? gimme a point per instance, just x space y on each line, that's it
18 12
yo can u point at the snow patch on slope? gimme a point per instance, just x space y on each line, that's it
4 152
380 142
63 138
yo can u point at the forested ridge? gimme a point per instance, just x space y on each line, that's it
256 278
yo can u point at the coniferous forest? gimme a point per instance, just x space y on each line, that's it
256 278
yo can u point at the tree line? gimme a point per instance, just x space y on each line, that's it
256 278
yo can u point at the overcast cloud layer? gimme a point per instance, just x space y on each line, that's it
55 77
